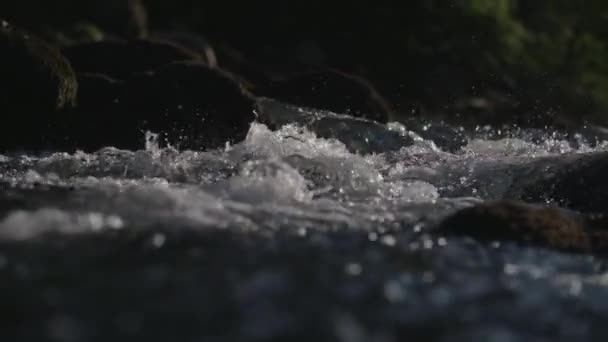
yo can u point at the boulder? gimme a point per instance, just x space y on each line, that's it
542 226
191 105
331 90
37 83
357 134
576 182
191 41
445 136
120 59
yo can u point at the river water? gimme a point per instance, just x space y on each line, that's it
283 237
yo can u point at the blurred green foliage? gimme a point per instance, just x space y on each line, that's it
522 57
560 43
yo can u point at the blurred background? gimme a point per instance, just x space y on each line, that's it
532 63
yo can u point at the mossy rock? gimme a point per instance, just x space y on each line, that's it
31 64
121 18
37 82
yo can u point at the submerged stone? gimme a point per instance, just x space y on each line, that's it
37 83
542 226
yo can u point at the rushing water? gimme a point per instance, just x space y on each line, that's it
285 236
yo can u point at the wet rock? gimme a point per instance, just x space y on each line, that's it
191 105
37 83
528 224
331 90
119 59
358 135
445 136
575 182
100 118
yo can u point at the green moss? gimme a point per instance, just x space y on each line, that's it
35 72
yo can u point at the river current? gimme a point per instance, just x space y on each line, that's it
284 236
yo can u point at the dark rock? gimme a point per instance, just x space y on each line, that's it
120 59
445 136
100 118
358 135
135 24
575 182
191 105
98 90
192 41
532 225
255 75
79 34
331 90
37 82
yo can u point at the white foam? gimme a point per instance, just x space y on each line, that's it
255 184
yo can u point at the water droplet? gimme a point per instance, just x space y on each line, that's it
372 237
354 269
115 222
393 291
389 240
158 240
511 269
